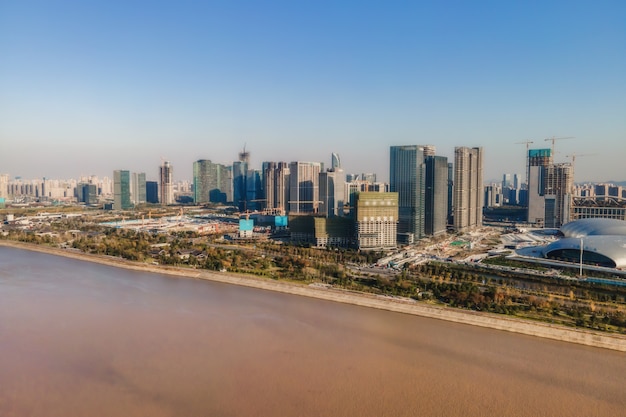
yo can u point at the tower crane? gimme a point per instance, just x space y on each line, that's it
554 139
527 143
574 155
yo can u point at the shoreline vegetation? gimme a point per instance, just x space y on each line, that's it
495 321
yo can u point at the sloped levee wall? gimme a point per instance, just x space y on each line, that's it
488 320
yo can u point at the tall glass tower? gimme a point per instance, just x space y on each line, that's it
121 190
407 176
211 182
436 199
304 192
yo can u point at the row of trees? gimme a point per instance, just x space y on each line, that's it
455 285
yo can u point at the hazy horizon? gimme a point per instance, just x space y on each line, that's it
87 88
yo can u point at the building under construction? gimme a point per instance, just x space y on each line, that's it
550 189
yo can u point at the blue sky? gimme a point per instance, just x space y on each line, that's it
87 87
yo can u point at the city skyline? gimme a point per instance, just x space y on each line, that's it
93 88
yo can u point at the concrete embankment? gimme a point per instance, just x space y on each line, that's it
492 321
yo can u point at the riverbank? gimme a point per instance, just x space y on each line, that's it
488 320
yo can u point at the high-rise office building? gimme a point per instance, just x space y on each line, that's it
239 171
509 191
152 192
493 195
254 190
376 220
138 188
468 188
240 177
121 190
87 193
332 189
351 189
507 181
335 162
450 194
436 195
212 183
304 194
166 184
407 177
276 186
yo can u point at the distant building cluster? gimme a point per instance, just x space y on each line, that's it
426 195
594 201
550 196
131 189
509 192
547 195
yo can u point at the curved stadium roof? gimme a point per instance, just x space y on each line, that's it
604 243
594 227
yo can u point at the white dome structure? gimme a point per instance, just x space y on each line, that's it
603 241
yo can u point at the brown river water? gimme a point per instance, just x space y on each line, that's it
81 339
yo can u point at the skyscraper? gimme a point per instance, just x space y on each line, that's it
493 195
152 192
138 188
468 188
276 186
450 193
304 187
240 177
507 181
436 195
254 190
211 182
332 189
407 178
87 193
121 190
166 183
335 162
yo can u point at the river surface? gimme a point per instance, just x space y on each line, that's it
81 339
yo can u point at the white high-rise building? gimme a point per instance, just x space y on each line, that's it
304 193
332 189
138 188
